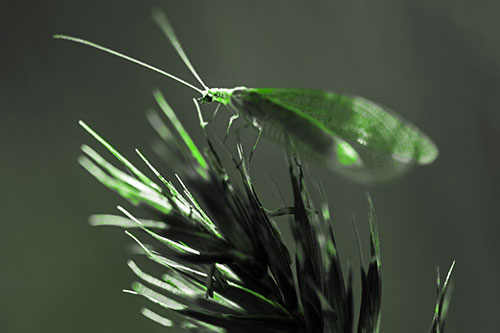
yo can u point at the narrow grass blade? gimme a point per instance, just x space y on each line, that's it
371 283
142 177
443 301
120 221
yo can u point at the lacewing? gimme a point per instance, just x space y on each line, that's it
349 134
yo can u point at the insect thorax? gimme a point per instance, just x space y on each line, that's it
219 95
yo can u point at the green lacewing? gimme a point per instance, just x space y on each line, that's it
352 135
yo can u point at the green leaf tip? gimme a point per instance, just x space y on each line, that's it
60 36
156 317
120 221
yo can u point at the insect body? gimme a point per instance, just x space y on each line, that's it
351 135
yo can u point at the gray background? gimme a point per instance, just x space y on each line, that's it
435 62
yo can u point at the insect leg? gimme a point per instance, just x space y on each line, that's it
259 128
204 123
231 119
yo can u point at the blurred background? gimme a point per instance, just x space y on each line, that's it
435 62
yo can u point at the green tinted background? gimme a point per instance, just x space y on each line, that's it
435 62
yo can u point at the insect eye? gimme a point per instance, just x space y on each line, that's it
207 99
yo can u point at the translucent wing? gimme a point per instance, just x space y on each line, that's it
350 134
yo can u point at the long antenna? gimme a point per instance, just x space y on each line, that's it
121 55
161 19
